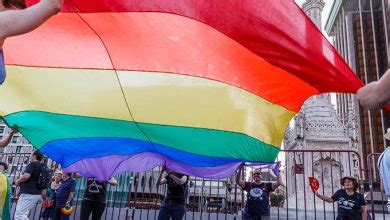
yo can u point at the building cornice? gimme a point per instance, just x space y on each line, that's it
332 16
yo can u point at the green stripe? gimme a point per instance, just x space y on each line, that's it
42 127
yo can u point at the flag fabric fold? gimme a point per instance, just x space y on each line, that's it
198 86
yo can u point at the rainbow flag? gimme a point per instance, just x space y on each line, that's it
5 197
198 86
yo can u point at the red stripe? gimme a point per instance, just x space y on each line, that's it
276 30
156 42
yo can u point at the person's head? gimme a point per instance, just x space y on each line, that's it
3 167
58 176
66 175
349 182
36 156
256 175
13 4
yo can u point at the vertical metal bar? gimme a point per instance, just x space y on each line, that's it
365 72
278 199
322 181
370 185
209 203
149 186
314 197
235 201
202 200
129 195
304 182
193 211
386 31
136 182
287 171
331 180
218 208
295 185
115 197
226 197
123 181
108 204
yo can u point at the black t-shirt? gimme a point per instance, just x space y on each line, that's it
30 186
95 190
176 193
349 207
257 203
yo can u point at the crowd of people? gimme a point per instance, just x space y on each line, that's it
57 198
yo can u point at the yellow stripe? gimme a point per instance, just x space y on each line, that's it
180 100
94 93
158 98
3 191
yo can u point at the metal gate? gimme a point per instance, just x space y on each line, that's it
137 197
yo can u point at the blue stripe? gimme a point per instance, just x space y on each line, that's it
69 151
2 67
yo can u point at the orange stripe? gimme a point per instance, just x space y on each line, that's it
159 42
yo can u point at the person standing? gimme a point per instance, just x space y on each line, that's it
5 193
351 204
64 195
28 182
174 204
48 203
257 204
94 201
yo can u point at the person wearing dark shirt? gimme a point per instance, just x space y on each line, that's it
64 195
257 204
95 199
29 192
351 204
174 204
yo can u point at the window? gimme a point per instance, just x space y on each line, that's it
10 159
19 149
14 139
13 170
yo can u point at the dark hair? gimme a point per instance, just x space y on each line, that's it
38 155
19 4
354 182
4 165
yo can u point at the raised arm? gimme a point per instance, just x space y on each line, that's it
278 179
238 176
177 180
16 22
375 95
160 179
4 142
324 198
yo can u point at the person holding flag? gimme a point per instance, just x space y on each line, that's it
257 206
351 204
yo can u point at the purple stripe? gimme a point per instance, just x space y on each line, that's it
2 67
104 168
